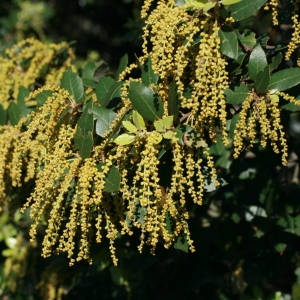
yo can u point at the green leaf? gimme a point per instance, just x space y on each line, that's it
173 105
129 126
230 2
42 97
148 75
2 115
104 119
233 123
114 91
117 275
138 120
145 101
23 93
285 79
102 70
197 3
14 113
122 65
280 247
84 143
180 130
168 135
209 5
245 9
194 139
292 106
276 61
237 96
229 42
86 121
262 80
112 180
247 37
88 74
102 88
181 243
168 122
73 84
163 124
257 62
125 139
159 126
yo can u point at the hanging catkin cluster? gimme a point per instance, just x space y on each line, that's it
31 63
74 195
295 40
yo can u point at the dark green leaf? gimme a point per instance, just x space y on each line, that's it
291 107
102 88
73 84
276 60
181 243
181 130
146 102
84 143
237 96
2 115
148 75
235 67
262 80
173 105
112 180
122 65
23 93
42 97
86 121
113 92
116 275
229 42
233 122
104 119
245 9
14 113
285 79
280 247
88 74
169 223
257 62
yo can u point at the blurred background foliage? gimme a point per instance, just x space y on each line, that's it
246 233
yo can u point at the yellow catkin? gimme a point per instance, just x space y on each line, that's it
40 58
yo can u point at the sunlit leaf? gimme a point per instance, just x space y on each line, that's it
124 139
138 120
129 126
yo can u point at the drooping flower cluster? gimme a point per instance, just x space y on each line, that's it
30 63
145 182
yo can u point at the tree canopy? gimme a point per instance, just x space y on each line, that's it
186 147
